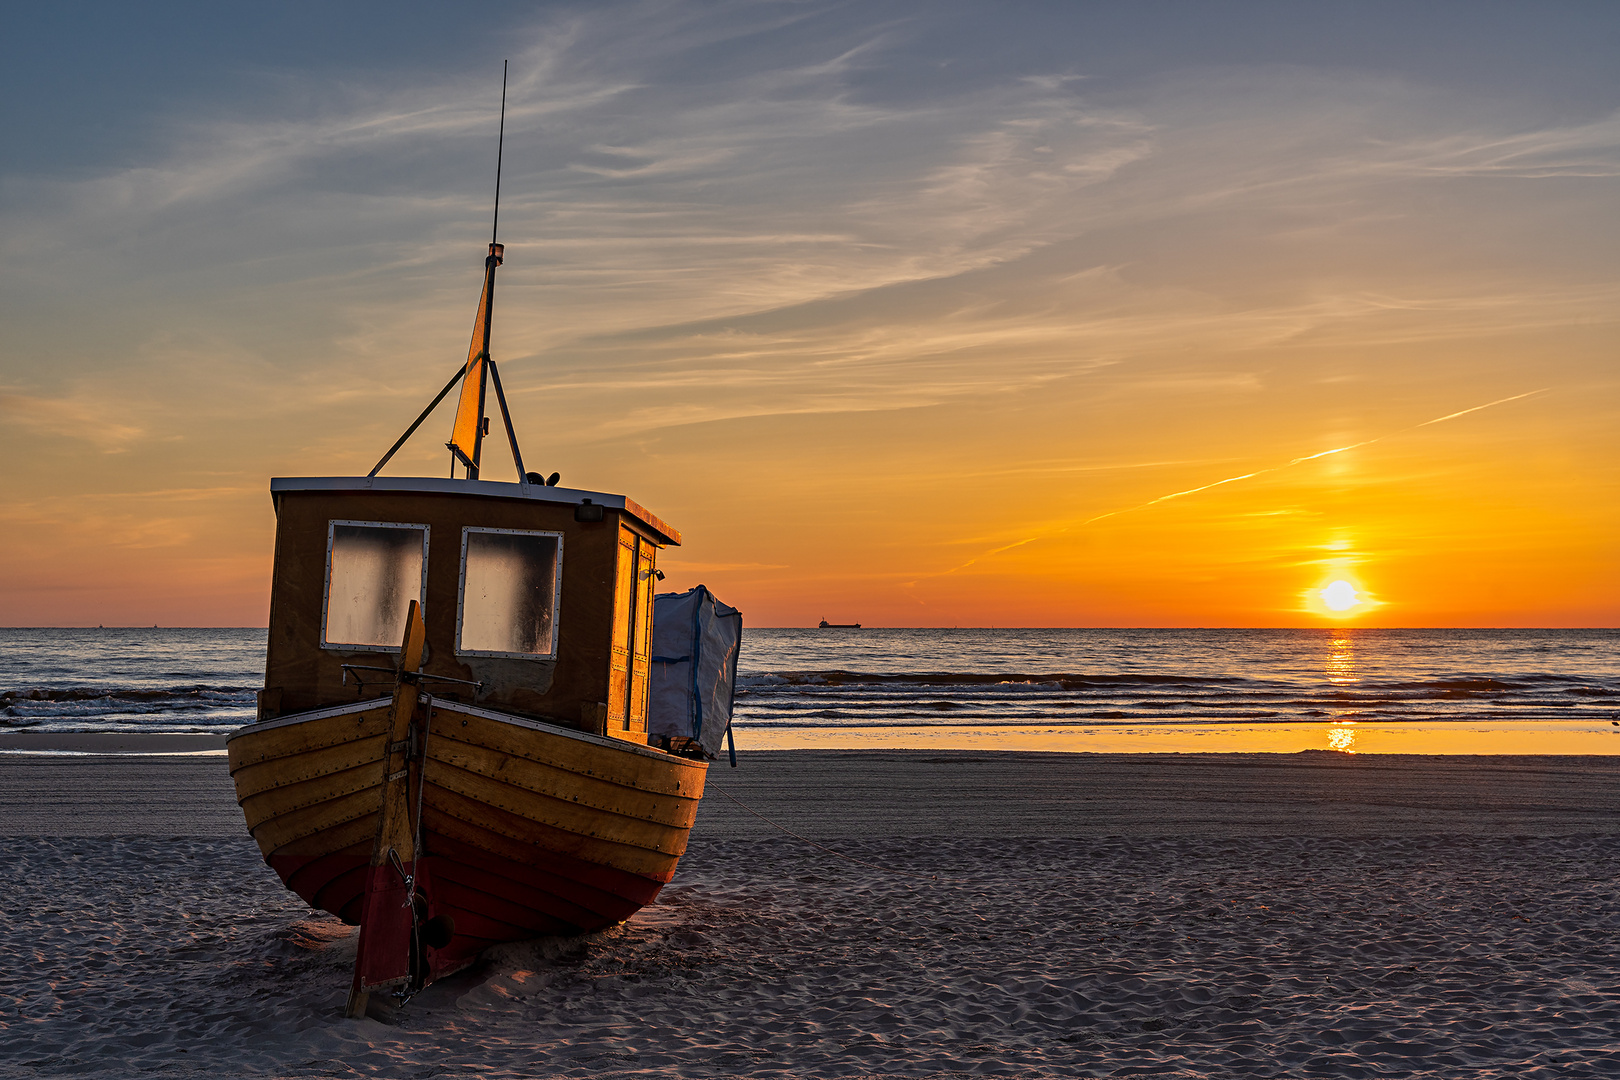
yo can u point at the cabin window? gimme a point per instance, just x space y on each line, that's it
509 592
374 569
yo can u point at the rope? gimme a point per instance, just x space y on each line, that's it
404 994
819 847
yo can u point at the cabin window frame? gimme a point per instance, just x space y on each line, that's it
326 585
556 594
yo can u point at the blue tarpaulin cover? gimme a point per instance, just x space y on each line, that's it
695 643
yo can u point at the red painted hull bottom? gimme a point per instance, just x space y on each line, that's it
490 898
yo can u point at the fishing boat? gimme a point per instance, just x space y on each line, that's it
452 747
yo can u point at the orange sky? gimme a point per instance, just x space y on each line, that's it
893 352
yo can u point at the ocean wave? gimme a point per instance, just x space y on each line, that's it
831 697
199 704
974 678
151 681
84 693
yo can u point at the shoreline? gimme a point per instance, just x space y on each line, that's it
1515 738
895 793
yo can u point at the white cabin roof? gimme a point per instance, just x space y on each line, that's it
490 489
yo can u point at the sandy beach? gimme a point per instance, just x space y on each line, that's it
988 914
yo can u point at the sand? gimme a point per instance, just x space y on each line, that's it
1011 914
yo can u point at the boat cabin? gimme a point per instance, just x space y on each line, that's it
537 600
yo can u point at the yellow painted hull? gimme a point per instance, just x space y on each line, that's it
524 828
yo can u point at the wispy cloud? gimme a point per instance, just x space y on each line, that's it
644 194
1223 482
98 420
721 212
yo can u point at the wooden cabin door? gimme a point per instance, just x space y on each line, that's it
632 635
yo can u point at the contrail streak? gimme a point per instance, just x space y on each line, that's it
1234 479
1476 408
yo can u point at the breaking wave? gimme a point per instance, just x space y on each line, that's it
155 681
1091 677
167 709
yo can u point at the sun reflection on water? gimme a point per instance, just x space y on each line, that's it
1341 660
1341 671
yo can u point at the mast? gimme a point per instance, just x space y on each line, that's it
467 436
471 424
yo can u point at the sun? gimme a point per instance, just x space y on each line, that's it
1340 596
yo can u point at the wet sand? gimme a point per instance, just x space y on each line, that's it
92 785
1010 914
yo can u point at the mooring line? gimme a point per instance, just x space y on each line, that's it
819 847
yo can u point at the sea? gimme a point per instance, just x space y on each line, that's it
809 683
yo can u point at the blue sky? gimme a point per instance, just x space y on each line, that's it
765 247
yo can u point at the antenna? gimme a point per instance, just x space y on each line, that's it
500 147
471 424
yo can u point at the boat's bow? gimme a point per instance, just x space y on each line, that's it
443 828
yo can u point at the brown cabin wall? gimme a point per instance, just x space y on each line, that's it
300 674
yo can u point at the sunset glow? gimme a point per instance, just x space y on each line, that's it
947 319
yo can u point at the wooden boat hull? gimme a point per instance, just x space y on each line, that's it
525 829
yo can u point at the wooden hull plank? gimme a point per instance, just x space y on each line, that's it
569 817
564 785
259 743
592 887
280 801
547 838
331 881
338 837
528 895
275 833
646 771
532 921
273 773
